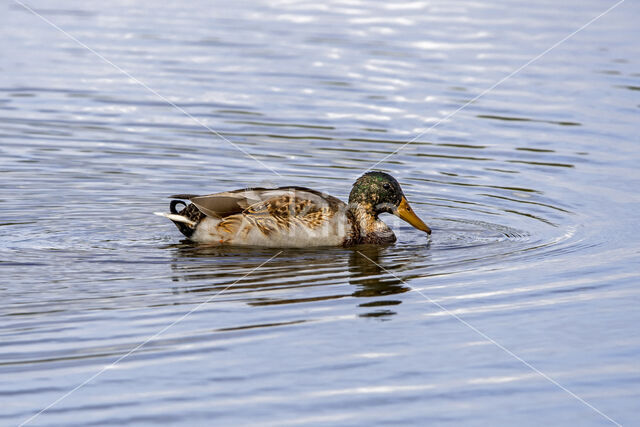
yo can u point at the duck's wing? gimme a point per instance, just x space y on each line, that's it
221 205
284 207
279 202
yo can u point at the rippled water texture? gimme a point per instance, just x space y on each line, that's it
530 277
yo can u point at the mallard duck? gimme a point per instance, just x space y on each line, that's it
295 216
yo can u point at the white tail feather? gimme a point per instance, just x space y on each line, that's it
177 218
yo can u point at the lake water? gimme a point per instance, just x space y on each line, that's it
522 309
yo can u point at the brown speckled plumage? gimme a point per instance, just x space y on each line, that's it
284 211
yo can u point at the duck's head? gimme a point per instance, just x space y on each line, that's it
379 192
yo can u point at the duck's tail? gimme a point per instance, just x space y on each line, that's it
186 219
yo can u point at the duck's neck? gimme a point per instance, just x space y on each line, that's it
370 229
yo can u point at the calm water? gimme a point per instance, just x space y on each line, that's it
532 192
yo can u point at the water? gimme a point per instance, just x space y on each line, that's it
531 191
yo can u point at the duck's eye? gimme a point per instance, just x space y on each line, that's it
386 186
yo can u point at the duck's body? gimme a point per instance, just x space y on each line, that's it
292 216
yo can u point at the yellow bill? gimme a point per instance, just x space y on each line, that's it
405 213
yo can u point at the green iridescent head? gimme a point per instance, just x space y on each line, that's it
378 189
379 192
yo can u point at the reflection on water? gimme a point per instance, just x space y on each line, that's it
372 281
531 191
290 269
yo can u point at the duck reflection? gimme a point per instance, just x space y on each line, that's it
372 281
212 269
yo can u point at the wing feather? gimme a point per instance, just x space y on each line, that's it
286 207
221 205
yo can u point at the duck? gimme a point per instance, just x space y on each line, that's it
295 217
